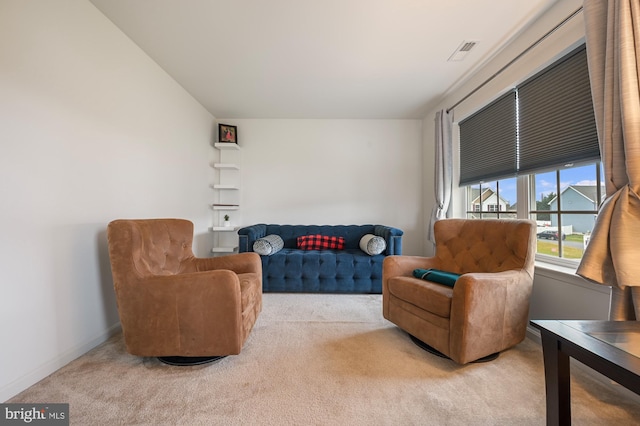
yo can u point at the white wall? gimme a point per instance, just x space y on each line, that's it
91 130
333 172
556 294
562 295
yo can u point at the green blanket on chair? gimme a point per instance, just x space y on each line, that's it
437 276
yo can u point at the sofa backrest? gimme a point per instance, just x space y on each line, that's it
351 233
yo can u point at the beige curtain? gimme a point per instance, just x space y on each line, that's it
613 48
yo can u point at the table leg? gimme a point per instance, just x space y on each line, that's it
557 378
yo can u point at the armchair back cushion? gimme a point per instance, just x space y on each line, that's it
156 247
464 246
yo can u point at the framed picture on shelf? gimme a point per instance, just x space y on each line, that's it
227 133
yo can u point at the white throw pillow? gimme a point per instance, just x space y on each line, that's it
372 244
266 246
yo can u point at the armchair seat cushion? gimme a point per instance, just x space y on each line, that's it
425 295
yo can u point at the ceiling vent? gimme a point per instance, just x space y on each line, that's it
462 51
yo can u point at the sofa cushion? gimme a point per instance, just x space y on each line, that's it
325 271
320 242
266 246
372 244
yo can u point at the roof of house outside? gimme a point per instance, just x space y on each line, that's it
486 193
587 191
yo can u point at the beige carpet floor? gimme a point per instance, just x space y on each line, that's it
317 359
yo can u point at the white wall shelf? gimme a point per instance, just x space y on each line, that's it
225 207
227 145
224 228
221 186
226 166
224 249
226 196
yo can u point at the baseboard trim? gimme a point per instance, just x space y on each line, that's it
534 334
14 388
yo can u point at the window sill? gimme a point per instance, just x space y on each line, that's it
567 275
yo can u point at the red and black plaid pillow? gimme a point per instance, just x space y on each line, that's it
320 242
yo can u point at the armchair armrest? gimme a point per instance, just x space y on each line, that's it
240 263
487 310
393 238
401 266
248 235
396 266
156 309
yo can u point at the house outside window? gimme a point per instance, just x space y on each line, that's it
492 200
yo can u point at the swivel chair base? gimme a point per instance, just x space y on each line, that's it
184 361
423 345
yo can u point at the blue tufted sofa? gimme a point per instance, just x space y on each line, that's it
322 271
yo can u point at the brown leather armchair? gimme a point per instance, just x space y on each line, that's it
174 306
487 309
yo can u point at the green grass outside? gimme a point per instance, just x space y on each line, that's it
575 237
551 248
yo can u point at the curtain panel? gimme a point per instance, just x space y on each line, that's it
612 31
443 178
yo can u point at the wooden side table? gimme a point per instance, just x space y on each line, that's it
609 347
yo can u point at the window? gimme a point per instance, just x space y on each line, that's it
565 203
564 222
492 200
538 140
